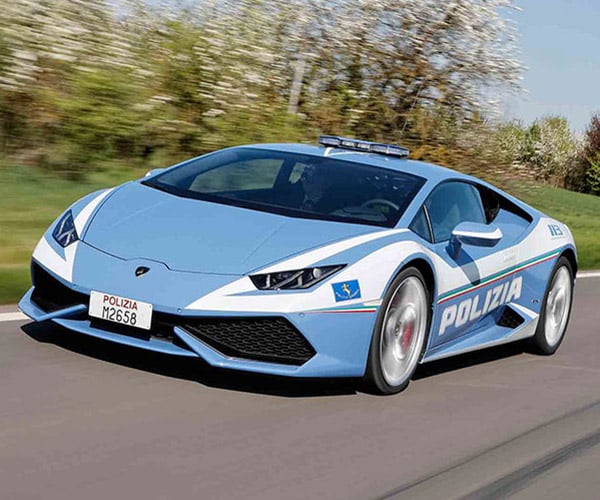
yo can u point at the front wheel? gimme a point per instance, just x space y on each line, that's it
556 309
400 334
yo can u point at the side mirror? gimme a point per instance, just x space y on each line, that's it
475 234
154 171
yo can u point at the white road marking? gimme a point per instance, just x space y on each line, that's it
12 316
588 274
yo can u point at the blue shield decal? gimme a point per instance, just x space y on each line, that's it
346 290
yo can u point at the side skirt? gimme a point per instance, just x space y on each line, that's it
493 336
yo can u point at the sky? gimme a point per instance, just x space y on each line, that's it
560 46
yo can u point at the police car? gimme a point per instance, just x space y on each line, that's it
342 259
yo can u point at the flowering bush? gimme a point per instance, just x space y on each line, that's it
85 81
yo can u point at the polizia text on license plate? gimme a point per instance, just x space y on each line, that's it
120 310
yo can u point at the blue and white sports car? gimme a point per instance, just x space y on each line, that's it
345 259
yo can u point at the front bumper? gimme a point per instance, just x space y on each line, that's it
338 341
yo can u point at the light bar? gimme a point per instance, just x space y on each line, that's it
334 141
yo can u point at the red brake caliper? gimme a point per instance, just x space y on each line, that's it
407 335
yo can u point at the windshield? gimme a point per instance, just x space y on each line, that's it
295 185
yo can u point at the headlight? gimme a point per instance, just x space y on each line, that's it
292 280
65 233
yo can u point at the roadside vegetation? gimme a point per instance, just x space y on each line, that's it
30 199
90 83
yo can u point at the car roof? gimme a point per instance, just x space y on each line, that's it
429 171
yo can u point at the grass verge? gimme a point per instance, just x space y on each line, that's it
30 200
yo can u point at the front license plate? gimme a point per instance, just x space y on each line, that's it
120 310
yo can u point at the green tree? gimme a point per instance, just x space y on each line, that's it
590 157
593 175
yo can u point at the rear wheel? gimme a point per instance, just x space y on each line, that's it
556 309
400 334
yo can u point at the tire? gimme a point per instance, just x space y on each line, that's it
556 309
400 334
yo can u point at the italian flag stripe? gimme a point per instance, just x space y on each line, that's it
498 276
346 310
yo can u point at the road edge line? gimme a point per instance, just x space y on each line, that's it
588 274
12 316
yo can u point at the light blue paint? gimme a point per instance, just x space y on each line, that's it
210 237
156 345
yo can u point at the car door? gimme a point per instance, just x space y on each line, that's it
466 286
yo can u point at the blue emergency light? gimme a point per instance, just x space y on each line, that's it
334 141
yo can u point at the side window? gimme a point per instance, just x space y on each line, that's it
491 203
452 203
420 225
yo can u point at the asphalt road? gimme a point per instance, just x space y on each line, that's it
80 418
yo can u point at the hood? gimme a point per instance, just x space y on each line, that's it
137 221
